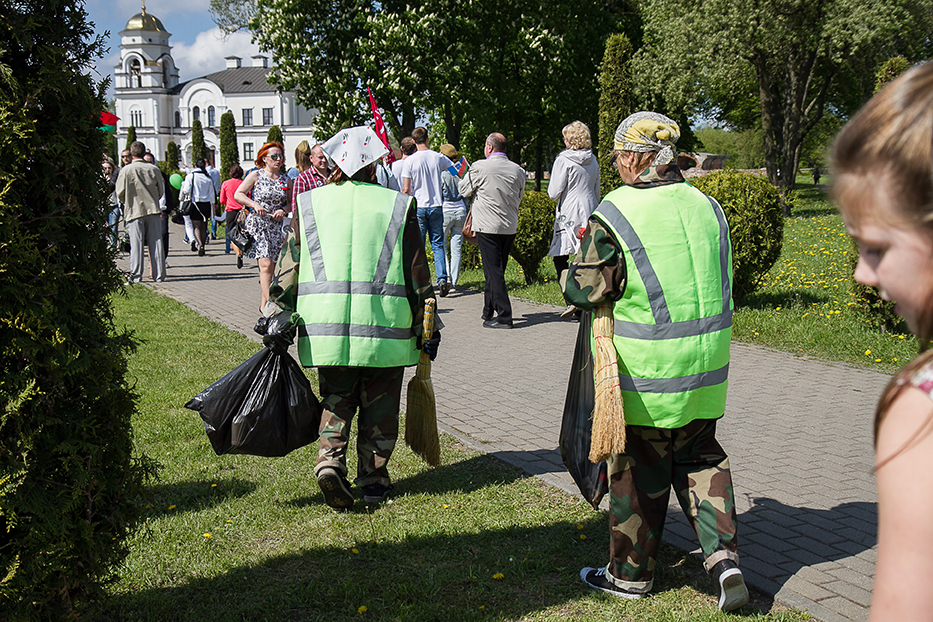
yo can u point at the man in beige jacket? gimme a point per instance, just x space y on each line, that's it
497 185
140 187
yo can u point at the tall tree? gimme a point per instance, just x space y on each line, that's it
172 155
793 59
130 136
616 101
229 153
274 135
198 148
71 488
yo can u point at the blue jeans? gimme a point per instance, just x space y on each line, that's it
453 224
113 219
431 220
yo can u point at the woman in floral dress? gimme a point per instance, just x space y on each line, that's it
271 191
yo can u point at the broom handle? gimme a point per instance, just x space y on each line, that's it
427 329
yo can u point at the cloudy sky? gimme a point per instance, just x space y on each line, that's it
198 46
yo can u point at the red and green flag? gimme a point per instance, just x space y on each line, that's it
108 121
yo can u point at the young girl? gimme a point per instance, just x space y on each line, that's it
883 167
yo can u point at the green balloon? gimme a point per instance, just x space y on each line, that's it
176 180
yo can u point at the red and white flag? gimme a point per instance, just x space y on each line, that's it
380 128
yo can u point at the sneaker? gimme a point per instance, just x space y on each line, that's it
596 579
376 493
445 288
732 591
336 489
194 245
201 252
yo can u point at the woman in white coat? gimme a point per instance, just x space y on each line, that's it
574 185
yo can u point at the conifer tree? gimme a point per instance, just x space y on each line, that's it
198 148
130 136
229 154
616 101
172 155
274 135
71 485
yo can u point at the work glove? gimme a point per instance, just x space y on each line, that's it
430 345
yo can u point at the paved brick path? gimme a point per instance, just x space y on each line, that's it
797 431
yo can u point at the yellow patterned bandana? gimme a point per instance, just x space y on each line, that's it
648 131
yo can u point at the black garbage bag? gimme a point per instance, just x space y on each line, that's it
576 426
263 407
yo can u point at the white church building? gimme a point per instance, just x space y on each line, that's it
150 98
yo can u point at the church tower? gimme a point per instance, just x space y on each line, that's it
144 78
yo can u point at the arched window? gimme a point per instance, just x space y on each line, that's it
196 114
210 116
135 74
177 118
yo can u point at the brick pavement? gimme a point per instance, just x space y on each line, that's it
797 431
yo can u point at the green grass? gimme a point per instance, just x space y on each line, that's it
804 305
249 538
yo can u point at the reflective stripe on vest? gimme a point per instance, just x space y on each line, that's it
664 328
376 328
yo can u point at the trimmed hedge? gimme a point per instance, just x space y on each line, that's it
756 224
535 232
70 487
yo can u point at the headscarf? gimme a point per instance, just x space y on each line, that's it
304 147
648 131
353 148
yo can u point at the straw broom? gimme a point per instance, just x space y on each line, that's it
421 419
608 436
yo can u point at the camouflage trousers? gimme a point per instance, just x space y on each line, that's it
376 393
690 460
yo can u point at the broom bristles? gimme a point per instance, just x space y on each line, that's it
421 419
608 433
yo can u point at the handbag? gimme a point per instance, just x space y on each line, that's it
186 207
238 235
468 234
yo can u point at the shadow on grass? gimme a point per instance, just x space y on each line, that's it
422 578
464 476
194 496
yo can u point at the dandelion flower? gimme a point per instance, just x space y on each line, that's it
579 526
877 360
171 507
867 352
208 536
355 551
498 576
213 485
583 536
445 506
363 609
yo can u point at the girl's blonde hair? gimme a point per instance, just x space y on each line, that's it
889 145
577 135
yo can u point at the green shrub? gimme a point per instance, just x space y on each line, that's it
172 155
535 232
130 136
274 135
868 302
229 153
198 148
70 488
756 224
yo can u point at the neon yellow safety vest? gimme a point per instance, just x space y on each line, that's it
673 323
352 297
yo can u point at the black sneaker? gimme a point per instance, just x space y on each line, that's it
336 489
732 591
596 579
376 493
445 288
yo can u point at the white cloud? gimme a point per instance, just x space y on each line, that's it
207 53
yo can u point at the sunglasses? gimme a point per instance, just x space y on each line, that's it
276 156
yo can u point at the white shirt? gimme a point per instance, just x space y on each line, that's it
398 168
424 169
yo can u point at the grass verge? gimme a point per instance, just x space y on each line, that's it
249 538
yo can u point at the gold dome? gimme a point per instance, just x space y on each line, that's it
145 21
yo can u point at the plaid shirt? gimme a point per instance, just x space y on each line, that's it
308 180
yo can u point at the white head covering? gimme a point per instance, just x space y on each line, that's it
353 148
648 131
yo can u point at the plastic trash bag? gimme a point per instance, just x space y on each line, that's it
576 426
263 407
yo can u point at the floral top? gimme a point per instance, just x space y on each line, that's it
923 379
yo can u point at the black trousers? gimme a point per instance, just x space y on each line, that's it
494 249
